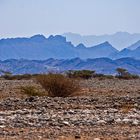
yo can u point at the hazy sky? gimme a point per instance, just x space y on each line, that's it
29 17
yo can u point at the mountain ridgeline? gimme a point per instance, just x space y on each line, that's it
119 40
100 65
39 54
132 51
39 48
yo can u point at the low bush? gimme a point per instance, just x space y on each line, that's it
7 77
128 76
18 77
103 76
124 74
58 85
126 107
31 91
84 74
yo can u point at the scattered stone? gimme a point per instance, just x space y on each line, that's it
136 122
66 123
97 139
77 137
2 126
91 116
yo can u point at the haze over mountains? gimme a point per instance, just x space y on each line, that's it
134 46
39 54
39 47
132 51
119 40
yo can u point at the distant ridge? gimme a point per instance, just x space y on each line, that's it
100 65
119 40
39 47
127 53
134 46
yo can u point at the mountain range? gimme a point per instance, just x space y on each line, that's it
39 47
119 40
100 65
127 53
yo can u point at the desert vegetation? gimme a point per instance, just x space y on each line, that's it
18 77
124 74
84 74
74 74
88 74
31 91
58 85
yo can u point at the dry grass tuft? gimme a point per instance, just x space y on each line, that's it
125 108
31 91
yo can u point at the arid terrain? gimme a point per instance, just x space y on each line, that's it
107 109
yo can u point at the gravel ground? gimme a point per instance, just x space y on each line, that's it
105 110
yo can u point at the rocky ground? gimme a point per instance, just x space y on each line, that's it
104 110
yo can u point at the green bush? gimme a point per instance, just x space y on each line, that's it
124 74
58 85
103 76
84 74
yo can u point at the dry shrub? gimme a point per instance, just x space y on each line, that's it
84 74
103 76
31 91
125 108
58 85
124 74
128 77
17 77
